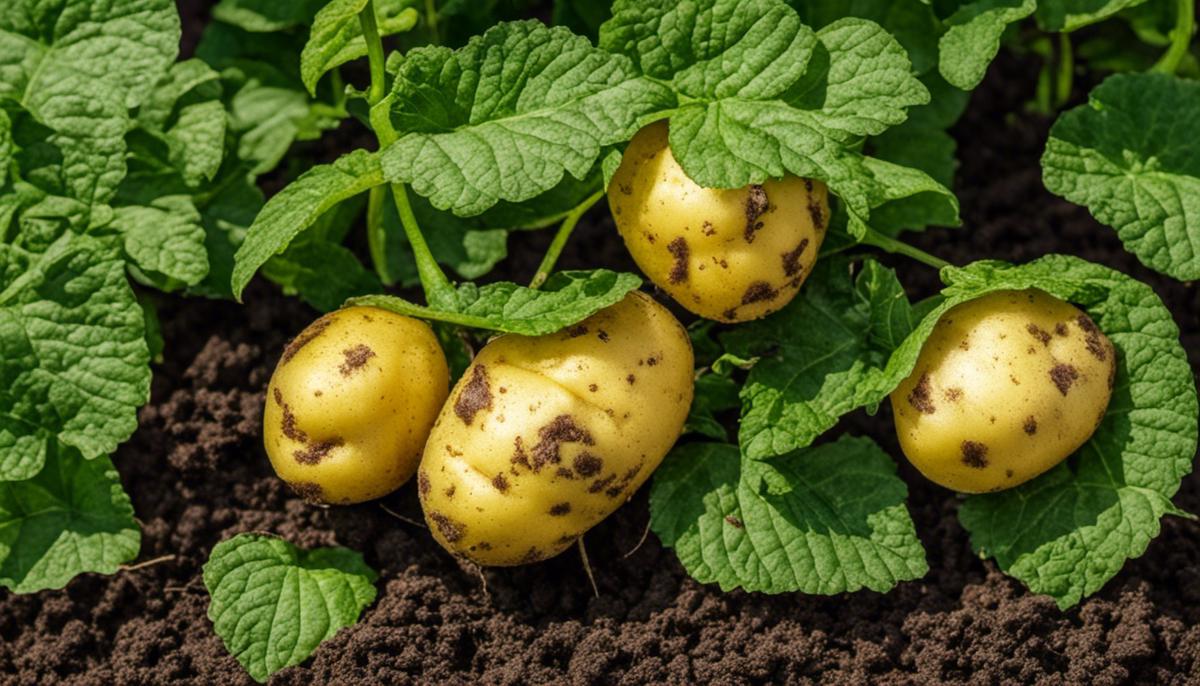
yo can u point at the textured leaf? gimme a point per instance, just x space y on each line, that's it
273 604
507 116
300 204
72 517
265 16
972 38
336 37
165 242
565 299
912 22
1069 531
714 393
804 383
270 118
323 274
1069 15
824 520
1132 156
6 153
73 356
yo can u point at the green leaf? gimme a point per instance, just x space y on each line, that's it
912 22
507 116
270 118
1069 15
6 154
972 38
273 604
164 242
804 384
186 111
71 518
566 298
265 16
323 274
824 520
300 204
336 37
73 358
714 393
1131 157
1069 531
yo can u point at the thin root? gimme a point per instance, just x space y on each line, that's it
587 566
645 533
397 515
148 563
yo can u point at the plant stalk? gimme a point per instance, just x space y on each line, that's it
561 237
377 234
431 20
1181 37
896 247
1065 82
438 289
370 29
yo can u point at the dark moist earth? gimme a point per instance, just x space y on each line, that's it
198 475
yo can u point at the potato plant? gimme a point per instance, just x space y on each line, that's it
754 154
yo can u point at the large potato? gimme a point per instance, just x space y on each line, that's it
351 403
728 255
546 436
1006 387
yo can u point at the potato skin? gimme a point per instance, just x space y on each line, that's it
729 255
351 403
1006 387
546 436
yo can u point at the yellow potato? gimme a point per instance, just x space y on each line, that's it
1006 387
729 255
546 436
351 403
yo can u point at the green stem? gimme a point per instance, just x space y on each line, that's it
561 237
896 247
431 21
377 234
438 289
1181 37
1066 71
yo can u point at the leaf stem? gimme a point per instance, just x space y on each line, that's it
438 289
889 244
431 21
370 29
561 237
1065 82
1181 37
377 234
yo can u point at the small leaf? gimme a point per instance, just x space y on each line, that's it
566 298
972 38
714 393
273 604
507 116
824 520
912 22
266 16
71 518
1069 15
323 274
300 204
336 36
1132 158
164 242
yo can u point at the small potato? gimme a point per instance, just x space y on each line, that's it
728 255
1006 387
546 436
351 403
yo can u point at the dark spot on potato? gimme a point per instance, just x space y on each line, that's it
626 479
1091 337
289 428
564 473
920 398
450 530
791 259
315 452
306 336
730 314
500 482
953 394
974 454
475 396
1063 375
318 394
625 188
1008 473
278 398
600 484
577 331
503 390
593 387
355 358
603 336
451 491
1038 333
560 509
534 555
817 215
308 491
423 485
992 419
1060 329
519 455
1030 425
964 344
587 464
630 379
570 538
484 545
651 238
735 522
680 251
562 429
652 360
757 203
758 292
1014 380
708 229
1031 350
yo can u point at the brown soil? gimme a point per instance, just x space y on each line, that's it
197 474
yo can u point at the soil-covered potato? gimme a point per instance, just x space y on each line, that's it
546 436
729 255
1006 387
351 403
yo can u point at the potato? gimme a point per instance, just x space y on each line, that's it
728 255
546 436
351 403
1006 387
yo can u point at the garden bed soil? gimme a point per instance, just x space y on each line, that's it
197 475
